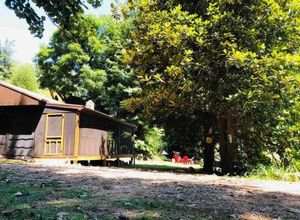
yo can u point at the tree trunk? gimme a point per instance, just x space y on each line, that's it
229 167
222 140
209 142
226 143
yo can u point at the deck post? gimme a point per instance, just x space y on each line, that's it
77 136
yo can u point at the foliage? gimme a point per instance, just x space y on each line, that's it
279 168
69 65
228 57
274 172
114 36
59 12
152 143
184 134
24 76
6 62
85 63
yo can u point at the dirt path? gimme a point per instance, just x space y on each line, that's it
225 197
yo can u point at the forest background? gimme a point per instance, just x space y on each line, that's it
216 79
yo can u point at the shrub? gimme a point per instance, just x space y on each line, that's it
153 141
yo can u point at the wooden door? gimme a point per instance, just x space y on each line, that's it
54 134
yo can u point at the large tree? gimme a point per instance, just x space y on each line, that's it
69 64
235 61
85 63
59 12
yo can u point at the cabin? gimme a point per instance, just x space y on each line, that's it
37 127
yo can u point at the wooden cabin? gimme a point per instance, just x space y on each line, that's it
39 127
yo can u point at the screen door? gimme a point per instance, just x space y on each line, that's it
53 145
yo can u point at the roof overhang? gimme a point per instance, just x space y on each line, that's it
13 96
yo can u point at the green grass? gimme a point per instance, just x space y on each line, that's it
166 167
159 167
43 201
290 173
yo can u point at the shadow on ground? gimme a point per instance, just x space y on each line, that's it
115 192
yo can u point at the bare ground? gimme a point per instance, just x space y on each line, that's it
216 197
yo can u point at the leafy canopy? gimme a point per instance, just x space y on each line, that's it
229 56
69 64
59 12
24 76
86 62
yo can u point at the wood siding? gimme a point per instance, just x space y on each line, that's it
94 137
39 137
93 142
20 145
68 133
17 127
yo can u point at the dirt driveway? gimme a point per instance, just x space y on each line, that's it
215 197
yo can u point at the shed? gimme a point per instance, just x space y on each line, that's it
39 127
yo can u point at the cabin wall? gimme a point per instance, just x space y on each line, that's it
17 127
93 139
68 132
93 142
22 133
3 145
39 137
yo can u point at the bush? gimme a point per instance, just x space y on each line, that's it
273 172
153 142
285 168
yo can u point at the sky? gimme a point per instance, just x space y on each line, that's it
25 45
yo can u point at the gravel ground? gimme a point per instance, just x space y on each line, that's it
225 197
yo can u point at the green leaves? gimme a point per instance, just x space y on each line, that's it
60 13
25 76
238 56
70 60
85 62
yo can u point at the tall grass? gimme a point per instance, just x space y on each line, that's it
275 172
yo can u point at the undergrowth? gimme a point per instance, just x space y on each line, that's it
275 172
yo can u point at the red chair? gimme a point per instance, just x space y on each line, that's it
185 160
177 158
